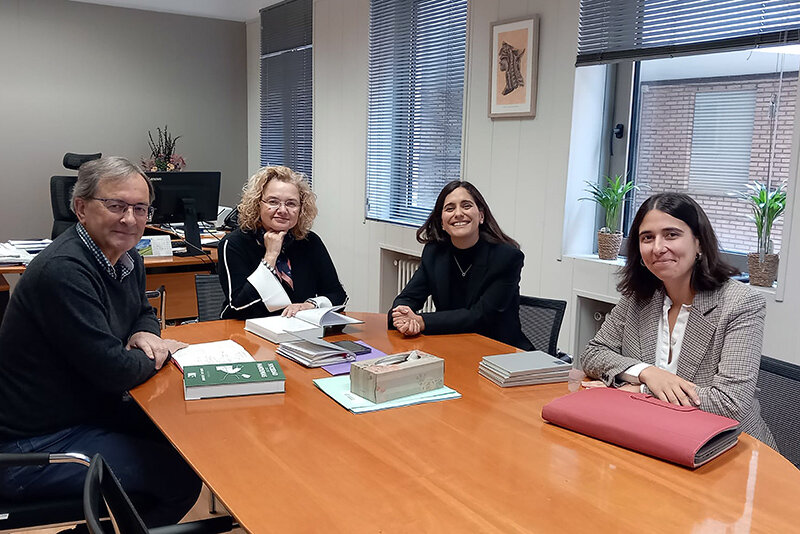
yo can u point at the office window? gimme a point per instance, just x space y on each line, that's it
286 85
722 136
707 125
714 86
416 94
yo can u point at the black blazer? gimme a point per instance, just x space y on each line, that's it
313 273
492 300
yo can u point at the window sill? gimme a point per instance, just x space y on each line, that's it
620 262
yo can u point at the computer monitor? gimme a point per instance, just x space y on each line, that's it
186 197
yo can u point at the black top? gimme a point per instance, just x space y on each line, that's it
478 294
313 273
63 360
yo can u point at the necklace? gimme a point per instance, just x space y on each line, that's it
462 271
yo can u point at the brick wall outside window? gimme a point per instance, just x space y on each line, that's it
665 141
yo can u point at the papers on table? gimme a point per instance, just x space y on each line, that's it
216 352
32 246
11 255
338 388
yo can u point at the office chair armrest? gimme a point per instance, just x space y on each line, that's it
42 458
30 458
204 526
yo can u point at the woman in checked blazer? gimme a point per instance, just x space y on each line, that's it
683 331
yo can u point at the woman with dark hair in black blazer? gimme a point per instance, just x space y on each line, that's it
470 267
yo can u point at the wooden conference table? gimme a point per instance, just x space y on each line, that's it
299 462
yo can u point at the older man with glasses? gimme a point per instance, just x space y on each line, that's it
78 333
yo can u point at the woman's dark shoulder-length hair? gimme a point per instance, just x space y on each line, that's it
710 271
431 230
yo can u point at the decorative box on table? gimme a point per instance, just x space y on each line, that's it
396 375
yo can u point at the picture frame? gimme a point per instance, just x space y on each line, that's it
513 75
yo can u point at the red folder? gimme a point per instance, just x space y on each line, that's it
684 435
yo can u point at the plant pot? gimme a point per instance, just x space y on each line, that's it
762 274
608 245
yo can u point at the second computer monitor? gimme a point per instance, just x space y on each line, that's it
186 197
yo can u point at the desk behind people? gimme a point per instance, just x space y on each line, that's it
298 462
175 273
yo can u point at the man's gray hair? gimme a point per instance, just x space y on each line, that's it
109 168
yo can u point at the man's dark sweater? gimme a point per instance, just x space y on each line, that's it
63 360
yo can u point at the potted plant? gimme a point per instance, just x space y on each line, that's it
162 153
610 197
766 206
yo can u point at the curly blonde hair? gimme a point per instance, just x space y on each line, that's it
250 205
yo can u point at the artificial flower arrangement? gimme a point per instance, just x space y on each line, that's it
162 153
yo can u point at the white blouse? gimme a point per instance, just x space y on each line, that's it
668 347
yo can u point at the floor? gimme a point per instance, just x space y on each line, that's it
200 511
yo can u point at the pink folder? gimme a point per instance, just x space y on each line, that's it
684 435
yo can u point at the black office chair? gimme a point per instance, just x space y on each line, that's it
103 495
60 197
61 192
41 513
778 386
541 322
161 294
209 297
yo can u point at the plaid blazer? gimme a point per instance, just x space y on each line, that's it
721 351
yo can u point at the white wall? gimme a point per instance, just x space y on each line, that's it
521 166
87 78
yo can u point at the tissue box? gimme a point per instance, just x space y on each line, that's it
397 375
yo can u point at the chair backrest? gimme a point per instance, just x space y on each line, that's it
541 321
209 297
17 515
779 383
60 196
103 493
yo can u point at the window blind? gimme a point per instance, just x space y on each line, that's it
286 85
416 95
618 30
722 138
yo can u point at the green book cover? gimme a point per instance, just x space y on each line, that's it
222 380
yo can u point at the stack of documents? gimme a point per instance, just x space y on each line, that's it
314 352
338 388
524 368
32 246
11 255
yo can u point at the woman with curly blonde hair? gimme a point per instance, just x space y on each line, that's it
273 261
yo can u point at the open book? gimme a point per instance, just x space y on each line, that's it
214 353
309 323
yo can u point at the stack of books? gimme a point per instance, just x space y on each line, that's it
306 323
311 352
524 368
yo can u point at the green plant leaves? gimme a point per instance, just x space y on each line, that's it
610 197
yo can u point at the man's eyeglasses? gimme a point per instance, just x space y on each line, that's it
274 204
118 207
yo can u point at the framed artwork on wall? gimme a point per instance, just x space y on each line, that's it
514 62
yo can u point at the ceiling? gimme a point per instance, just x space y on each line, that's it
238 10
